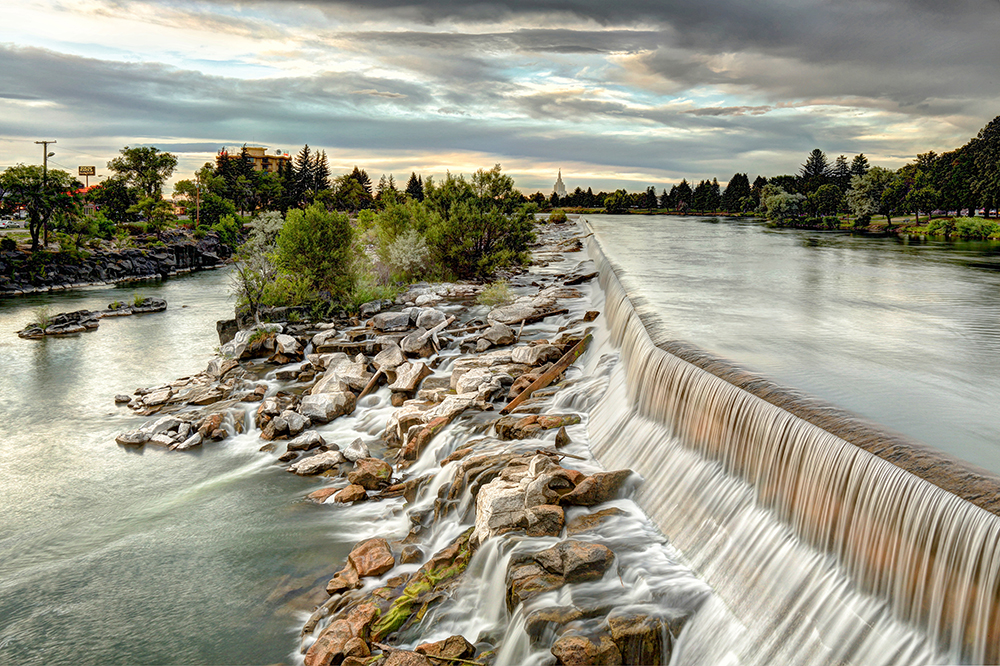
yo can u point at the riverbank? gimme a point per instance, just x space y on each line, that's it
23 272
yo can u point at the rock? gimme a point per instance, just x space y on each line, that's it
451 648
416 443
329 647
570 650
162 440
227 330
356 450
317 463
591 520
275 428
295 421
325 407
576 561
189 443
640 638
405 658
370 473
389 322
389 358
411 554
424 300
562 439
122 398
509 314
415 344
356 647
210 424
352 493
324 337
157 397
370 309
133 438
286 345
343 580
306 441
164 424
600 487
499 509
371 557
526 581
339 371
498 335
321 495
409 376
591 315
545 520
535 354
429 318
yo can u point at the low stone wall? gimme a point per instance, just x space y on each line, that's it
24 273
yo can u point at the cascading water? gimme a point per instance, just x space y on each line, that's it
824 552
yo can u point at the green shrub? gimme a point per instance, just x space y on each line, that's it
137 299
316 245
976 228
198 234
103 227
228 227
496 294
558 216
367 289
8 244
287 291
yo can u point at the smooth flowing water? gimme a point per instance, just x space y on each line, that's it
904 332
111 556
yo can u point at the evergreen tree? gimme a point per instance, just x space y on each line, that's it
815 172
415 188
683 197
859 165
714 196
667 198
840 174
302 176
320 172
757 189
986 182
700 196
737 190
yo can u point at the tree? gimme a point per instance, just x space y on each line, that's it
114 198
683 196
825 200
859 165
144 168
479 226
779 205
701 195
840 174
415 187
616 202
649 198
737 190
41 193
320 172
757 188
986 183
714 197
316 244
815 172
867 196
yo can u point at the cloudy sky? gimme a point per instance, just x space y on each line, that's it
616 94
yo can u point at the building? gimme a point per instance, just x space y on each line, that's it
262 161
559 189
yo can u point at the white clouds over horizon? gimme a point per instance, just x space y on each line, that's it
626 94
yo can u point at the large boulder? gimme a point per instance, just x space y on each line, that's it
371 557
641 639
370 473
598 488
356 450
325 407
317 463
576 561
535 354
429 318
389 322
574 650
499 509
450 649
409 376
306 441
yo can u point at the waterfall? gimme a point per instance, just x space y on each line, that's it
829 539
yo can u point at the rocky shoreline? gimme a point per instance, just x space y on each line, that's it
24 273
470 423
81 321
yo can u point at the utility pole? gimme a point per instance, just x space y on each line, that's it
45 181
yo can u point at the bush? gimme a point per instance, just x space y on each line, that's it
976 228
228 227
496 294
103 227
287 291
8 244
316 245
367 289
43 317
409 255
558 216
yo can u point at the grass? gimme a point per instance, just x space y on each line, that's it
496 294
137 299
43 317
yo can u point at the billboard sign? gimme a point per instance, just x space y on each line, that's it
88 171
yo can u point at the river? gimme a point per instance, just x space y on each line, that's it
111 556
905 332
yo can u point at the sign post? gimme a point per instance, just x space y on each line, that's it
88 171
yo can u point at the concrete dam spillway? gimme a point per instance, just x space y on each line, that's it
827 539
